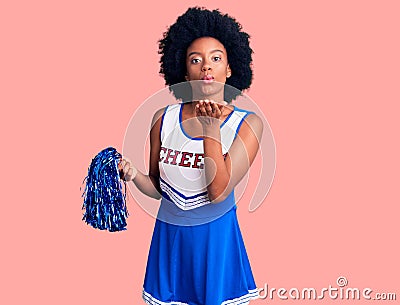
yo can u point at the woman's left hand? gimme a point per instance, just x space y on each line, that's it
208 113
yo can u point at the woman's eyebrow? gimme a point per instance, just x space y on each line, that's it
213 51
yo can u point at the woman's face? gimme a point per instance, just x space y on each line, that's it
206 59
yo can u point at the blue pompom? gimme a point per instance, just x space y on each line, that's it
104 196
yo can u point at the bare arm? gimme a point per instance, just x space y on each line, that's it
224 174
147 184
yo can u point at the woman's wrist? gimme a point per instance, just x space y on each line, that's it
210 131
134 173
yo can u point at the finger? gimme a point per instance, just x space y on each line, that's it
121 164
202 110
208 109
198 111
127 167
214 109
129 174
121 171
217 112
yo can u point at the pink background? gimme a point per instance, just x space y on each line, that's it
327 78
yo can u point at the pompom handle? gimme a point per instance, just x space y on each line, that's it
105 194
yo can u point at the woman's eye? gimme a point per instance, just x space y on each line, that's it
216 58
195 60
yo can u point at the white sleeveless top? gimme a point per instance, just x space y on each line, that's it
182 176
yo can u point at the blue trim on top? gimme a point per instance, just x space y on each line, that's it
180 194
241 122
162 120
229 115
244 110
200 139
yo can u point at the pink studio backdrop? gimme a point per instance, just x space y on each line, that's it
326 77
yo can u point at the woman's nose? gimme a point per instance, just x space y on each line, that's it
205 67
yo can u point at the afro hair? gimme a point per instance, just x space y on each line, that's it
199 22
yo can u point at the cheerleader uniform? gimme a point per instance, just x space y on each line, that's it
197 255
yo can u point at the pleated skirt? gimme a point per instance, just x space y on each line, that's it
204 264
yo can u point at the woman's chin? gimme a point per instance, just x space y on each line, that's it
203 90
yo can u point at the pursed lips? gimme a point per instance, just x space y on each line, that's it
208 78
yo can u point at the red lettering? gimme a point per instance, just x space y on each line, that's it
163 149
198 158
169 156
185 158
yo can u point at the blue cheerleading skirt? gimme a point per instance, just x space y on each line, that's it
204 264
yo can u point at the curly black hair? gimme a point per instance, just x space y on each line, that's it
199 22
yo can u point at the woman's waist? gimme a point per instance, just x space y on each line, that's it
193 212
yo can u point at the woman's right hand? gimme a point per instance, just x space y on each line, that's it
208 113
127 171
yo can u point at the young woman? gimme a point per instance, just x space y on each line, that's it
199 151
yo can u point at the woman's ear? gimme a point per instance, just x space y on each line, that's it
228 71
186 77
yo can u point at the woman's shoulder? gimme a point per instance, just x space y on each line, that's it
251 122
158 115
248 115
